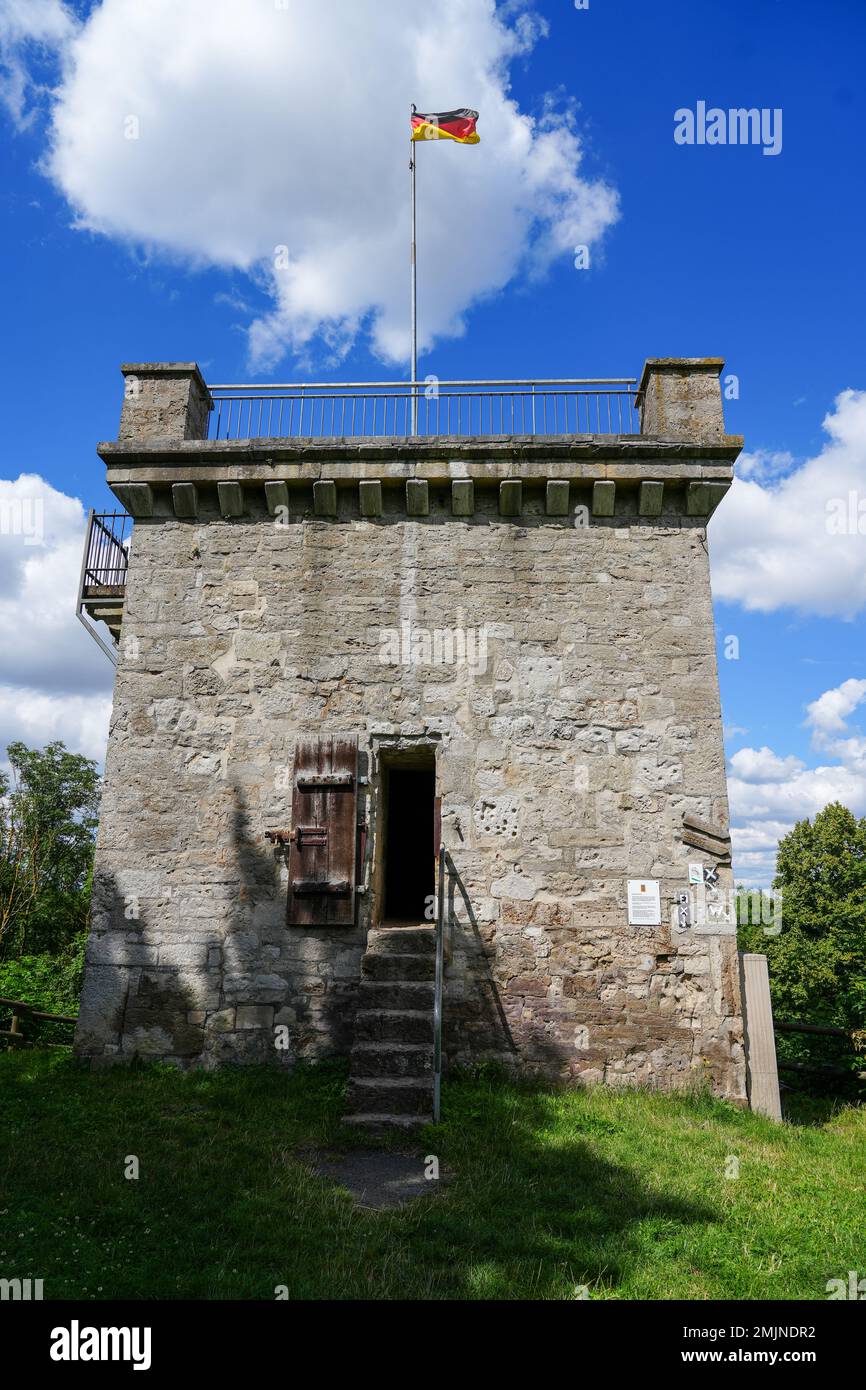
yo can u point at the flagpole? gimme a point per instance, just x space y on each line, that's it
414 294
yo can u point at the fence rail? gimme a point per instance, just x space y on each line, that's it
853 1037
19 1011
433 409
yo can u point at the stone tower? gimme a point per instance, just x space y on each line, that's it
360 643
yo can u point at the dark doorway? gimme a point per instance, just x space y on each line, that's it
409 851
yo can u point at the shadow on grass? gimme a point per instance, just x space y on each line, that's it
534 1211
227 1207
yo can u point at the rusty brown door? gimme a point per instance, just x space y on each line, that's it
323 849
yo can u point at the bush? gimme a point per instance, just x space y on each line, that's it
52 983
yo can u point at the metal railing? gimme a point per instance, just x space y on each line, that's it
444 928
106 549
431 409
103 568
437 989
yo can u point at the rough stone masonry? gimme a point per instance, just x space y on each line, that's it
283 590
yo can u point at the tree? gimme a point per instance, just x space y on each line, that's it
48 819
817 963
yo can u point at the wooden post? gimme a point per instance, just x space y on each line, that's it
763 1074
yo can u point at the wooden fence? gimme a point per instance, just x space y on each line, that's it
854 1039
14 1035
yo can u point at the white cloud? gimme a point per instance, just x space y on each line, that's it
804 793
799 541
26 27
829 712
768 794
762 765
79 721
261 127
763 464
54 681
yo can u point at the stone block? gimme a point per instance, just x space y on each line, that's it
325 498
556 497
277 498
137 498
184 497
651 498
603 497
231 499
370 497
462 496
510 497
417 497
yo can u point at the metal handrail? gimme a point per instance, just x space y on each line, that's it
437 989
421 386
431 408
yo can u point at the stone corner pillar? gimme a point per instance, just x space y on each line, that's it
163 401
762 1071
681 398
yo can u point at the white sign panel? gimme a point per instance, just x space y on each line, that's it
644 903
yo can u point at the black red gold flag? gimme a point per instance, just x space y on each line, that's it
446 125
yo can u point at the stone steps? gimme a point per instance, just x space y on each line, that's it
392 1059
415 941
391 1068
399 995
391 1095
394 1025
404 969
386 1124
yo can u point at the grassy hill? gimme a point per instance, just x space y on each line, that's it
544 1192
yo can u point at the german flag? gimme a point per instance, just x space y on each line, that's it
447 125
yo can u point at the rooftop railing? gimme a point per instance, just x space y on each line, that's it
431 409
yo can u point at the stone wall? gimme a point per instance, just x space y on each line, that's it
583 723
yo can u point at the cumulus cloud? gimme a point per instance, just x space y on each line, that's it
276 143
768 793
799 541
762 765
54 681
829 713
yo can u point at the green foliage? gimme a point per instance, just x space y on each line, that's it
817 962
543 1191
48 819
50 981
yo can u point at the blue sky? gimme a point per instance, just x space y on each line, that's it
709 251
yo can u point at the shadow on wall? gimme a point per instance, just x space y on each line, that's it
506 1016
132 1003
300 982
480 1024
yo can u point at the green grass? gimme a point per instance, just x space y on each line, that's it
547 1190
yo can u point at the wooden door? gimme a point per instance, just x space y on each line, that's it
323 849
